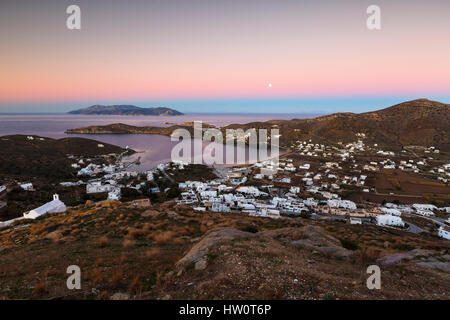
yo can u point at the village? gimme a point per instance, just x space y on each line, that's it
313 181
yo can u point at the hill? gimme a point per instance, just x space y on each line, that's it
121 128
126 110
45 157
419 122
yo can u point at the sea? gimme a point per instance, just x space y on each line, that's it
151 149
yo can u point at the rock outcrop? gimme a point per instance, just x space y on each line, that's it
212 238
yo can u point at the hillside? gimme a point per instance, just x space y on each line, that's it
45 157
121 128
167 251
419 122
126 110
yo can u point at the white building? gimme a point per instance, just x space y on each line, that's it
97 187
220 207
444 232
297 190
266 213
26 186
53 206
9 222
114 194
354 220
445 209
393 212
425 213
424 207
389 220
345 204
250 190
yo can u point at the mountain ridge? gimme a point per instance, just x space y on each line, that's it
125 110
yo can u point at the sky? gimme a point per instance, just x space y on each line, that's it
283 56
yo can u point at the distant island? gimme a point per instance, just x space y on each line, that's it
126 110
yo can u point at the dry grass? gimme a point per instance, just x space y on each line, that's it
128 244
152 253
117 279
103 241
97 277
40 288
178 241
135 286
104 295
134 233
99 262
368 254
164 237
123 259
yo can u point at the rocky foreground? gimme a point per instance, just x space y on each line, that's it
140 251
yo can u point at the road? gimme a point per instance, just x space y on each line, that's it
413 228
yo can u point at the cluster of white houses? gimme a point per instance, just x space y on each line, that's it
222 196
234 193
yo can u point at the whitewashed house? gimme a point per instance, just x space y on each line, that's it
114 194
26 186
345 204
220 207
354 220
445 209
444 232
424 207
393 212
425 213
97 187
389 220
53 206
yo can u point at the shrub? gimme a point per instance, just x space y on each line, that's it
117 279
40 288
97 276
349 244
128 244
164 237
153 253
135 286
103 241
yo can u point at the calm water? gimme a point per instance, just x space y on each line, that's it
155 148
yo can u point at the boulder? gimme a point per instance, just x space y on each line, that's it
316 239
438 265
120 296
150 213
54 236
397 258
210 239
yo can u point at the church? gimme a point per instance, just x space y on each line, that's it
53 206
